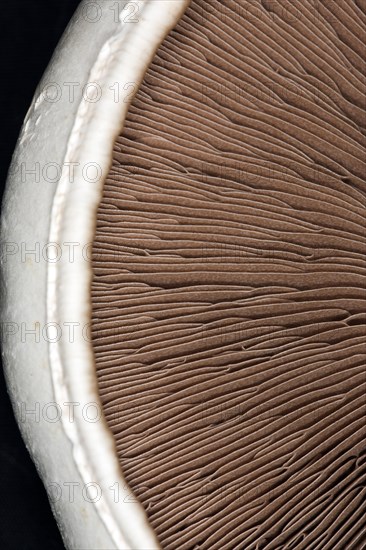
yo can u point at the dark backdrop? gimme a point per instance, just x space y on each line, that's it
30 31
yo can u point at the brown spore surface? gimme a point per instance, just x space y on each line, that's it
228 297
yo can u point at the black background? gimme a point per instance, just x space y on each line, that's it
30 31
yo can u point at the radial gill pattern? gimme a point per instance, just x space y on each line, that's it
228 298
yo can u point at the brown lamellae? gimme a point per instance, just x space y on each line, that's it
229 280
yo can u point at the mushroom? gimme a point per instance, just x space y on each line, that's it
217 282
